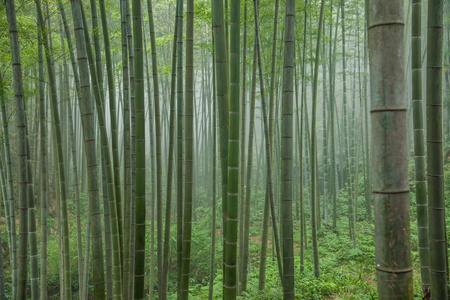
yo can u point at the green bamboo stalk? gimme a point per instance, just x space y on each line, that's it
242 155
352 152
127 289
272 109
87 251
32 234
180 153
43 173
346 129
231 232
107 229
273 94
106 158
139 272
113 121
419 145
4 195
2 274
269 188
303 109
435 172
21 125
332 78
152 176
222 80
158 129
287 132
82 273
325 124
249 177
366 126
95 29
299 128
86 110
314 189
61 167
11 205
58 213
72 142
131 64
389 148
166 250
189 148
214 198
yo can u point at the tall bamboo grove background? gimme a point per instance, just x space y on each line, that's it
224 149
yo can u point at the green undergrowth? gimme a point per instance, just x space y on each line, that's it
345 272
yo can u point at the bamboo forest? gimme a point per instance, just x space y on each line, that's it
224 149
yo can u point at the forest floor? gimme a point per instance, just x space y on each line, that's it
345 272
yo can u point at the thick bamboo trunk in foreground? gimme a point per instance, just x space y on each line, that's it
389 146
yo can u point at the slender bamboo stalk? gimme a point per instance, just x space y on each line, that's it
72 142
2 274
158 129
113 122
242 154
314 189
367 151
32 232
435 171
249 176
11 205
325 124
222 94
165 263
107 162
346 129
43 174
180 136
131 64
214 199
271 117
287 133
4 195
419 145
21 127
87 117
152 176
231 232
269 189
303 109
273 96
61 167
332 77
189 148
127 289
139 273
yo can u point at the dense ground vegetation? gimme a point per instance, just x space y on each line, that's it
347 273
